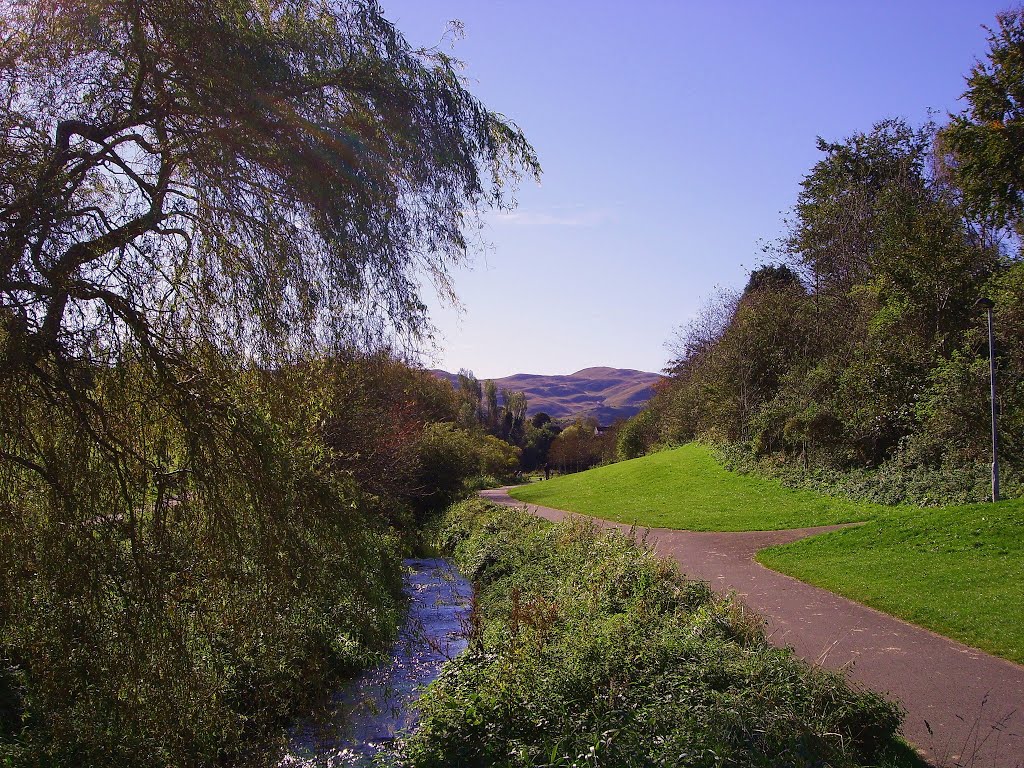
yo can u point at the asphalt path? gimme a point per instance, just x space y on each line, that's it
965 708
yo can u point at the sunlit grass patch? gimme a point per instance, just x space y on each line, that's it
687 488
956 570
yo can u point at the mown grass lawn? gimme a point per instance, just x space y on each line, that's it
686 488
958 571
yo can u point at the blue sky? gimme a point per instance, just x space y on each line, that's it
673 137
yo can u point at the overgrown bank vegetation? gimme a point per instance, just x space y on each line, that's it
859 346
167 593
588 650
171 592
213 215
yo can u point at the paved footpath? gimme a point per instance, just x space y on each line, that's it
964 707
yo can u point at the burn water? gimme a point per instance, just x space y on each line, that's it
366 717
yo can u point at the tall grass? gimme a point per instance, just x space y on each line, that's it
586 649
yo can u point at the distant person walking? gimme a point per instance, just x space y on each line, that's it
547 471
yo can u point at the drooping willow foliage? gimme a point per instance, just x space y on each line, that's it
192 194
254 171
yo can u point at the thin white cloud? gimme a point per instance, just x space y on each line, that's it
570 218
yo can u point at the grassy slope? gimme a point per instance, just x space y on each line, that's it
686 488
956 570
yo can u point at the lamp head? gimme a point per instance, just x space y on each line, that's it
984 303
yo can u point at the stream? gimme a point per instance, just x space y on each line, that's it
379 705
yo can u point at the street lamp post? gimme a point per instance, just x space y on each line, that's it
987 304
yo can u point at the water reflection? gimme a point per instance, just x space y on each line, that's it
378 706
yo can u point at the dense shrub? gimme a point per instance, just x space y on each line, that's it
450 459
374 412
902 479
637 435
176 569
586 649
498 459
861 360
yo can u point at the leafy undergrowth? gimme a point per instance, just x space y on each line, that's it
955 570
899 480
586 649
688 488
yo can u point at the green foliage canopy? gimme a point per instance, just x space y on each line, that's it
192 195
987 139
857 345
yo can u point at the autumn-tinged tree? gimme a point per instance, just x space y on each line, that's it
376 410
579 446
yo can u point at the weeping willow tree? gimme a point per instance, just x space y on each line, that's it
230 169
192 193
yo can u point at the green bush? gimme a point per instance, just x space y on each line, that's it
454 461
498 459
904 478
586 649
637 435
447 457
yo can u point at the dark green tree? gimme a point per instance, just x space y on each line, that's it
470 392
834 238
894 265
492 413
833 356
987 139
771 276
537 441
540 419
513 408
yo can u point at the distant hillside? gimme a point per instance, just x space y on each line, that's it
606 394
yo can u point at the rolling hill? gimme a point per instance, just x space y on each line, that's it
605 394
